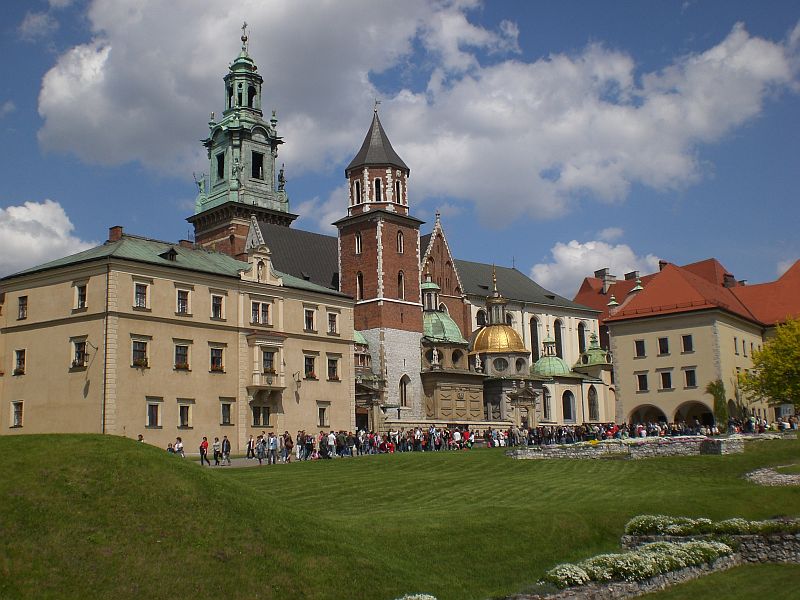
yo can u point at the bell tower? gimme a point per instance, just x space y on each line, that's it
242 150
379 257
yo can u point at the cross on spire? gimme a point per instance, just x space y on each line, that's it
244 36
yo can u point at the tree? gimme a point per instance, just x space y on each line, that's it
776 374
717 391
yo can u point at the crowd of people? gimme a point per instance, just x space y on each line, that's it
272 448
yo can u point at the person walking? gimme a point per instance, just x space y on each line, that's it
178 447
261 449
251 448
272 457
217 449
204 451
226 451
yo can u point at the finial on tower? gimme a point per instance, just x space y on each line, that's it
494 278
244 36
377 102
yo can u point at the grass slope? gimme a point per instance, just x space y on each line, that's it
776 582
102 516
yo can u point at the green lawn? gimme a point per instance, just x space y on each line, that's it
101 516
789 469
776 582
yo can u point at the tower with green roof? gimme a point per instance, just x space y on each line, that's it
243 178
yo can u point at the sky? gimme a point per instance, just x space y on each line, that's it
558 137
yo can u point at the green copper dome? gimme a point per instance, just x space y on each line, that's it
594 355
429 285
548 366
439 327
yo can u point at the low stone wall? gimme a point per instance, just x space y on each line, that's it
633 449
771 548
631 589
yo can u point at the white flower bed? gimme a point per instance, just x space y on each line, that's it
682 526
643 563
417 597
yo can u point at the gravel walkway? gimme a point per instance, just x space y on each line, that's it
771 477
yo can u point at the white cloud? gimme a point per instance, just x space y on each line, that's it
609 234
34 233
485 124
37 25
318 214
60 3
575 260
7 108
783 265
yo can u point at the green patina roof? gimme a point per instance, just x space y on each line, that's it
439 327
428 285
149 251
359 338
594 355
550 366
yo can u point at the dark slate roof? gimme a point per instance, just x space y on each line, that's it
376 149
476 279
309 256
424 242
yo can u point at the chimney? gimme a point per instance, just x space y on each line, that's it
662 264
186 244
728 280
606 277
115 233
631 275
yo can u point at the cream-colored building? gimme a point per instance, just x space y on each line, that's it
145 337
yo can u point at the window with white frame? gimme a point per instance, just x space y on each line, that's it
359 246
16 413
333 368
217 307
400 243
666 380
185 413
268 360
22 308
687 342
259 313
79 357
153 417
308 367
641 382
139 356
260 416
217 366
690 376
80 296
19 362
309 319
322 415
378 190
182 356
226 411
333 323
141 293
663 346
182 302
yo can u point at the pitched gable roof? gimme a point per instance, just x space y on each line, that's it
775 301
303 254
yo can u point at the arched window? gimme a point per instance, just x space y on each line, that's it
594 407
401 286
534 339
251 97
480 318
397 195
568 406
404 383
378 190
509 319
443 308
357 191
520 364
400 242
581 338
358 243
456 357
360 286
557 334
547 410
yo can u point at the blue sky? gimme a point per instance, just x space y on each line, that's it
560 137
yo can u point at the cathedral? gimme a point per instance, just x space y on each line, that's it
443 345
256 324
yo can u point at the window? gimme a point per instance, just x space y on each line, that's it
400 243
80 296
182 307
358 243
140 295
691 378
322 416
78 354
220 166
216 307
378 190
688 343
19 362
182 357
309 319
581 338
568 406
547 411
359 286
480 318
752 348
534 339
184 415
666 380
268 361
139 353
744 348
333 323
22 308
398 197
259 313
641 382
154 413
357 191
594 407
736 346
257 166
260 416
401 287
16 414
663 346
216 360
403 389
333 369
225 414
557 332
639 349
308 367
500 364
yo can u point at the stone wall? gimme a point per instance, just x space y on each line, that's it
634 449
771 548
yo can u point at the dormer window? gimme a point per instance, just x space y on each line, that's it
378 190
170 255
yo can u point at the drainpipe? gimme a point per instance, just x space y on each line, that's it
105 348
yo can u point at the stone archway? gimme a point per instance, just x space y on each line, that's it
694 409
647 413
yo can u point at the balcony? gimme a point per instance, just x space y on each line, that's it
268 379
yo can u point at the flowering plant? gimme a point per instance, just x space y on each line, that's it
684 526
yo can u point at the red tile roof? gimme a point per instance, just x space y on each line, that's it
775 301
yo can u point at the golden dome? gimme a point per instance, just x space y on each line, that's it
497 339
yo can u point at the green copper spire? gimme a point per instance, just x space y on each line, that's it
242 146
